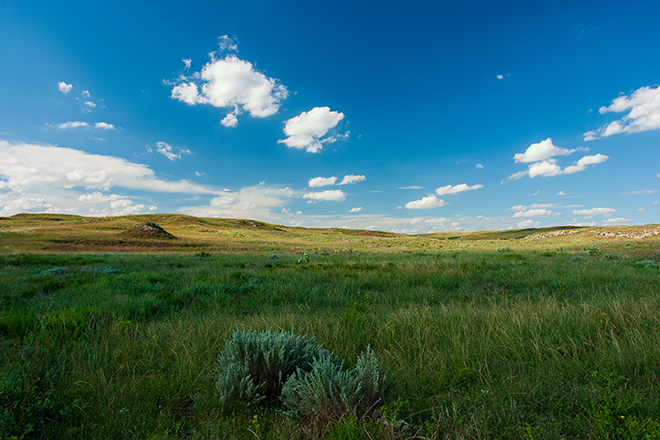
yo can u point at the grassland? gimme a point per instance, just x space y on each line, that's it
107 332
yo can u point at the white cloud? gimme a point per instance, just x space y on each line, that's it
232 83
227 44
28 166
317 182
307 129
335 195
351 179
456 189
428 202
72 124
594 211
166 150
549 167
86 94
533 206
637 193
534 210
528 224
541 151
617 220
112 204
479 165
230 120
500 76
186 62
411 187
64 87
643 106
533 213
358 209
562 193
254 202
104 126
90 104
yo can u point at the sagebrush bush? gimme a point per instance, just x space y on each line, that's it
328 393
256 365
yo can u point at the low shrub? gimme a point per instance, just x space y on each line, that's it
256 365
328 393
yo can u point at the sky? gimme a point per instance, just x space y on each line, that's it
403 116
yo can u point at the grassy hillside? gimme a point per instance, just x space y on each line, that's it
112 331
48 233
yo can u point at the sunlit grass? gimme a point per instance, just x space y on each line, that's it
482 342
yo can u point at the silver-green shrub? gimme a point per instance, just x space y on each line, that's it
329 393
256 365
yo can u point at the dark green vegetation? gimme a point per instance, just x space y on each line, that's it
554 336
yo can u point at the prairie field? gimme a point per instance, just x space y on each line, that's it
108 330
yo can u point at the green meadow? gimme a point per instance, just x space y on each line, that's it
112 331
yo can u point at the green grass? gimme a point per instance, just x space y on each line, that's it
488 338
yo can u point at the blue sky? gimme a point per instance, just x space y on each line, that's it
393 115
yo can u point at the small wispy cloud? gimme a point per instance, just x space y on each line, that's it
594 211
334 195
637 193
351 179
167 150
456 189
358 209
411 187
72 124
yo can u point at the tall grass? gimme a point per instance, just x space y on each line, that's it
481 344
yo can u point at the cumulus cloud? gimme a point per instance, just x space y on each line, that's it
533 213
28 166
112 204
317 182
72 124
308 128
428 202
617 220
64 87
231 83
528 224
335 195
594 211
230 120
500 76
456 189
541 151
534 210
643 106
549 167
351 179
104 126
90 104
